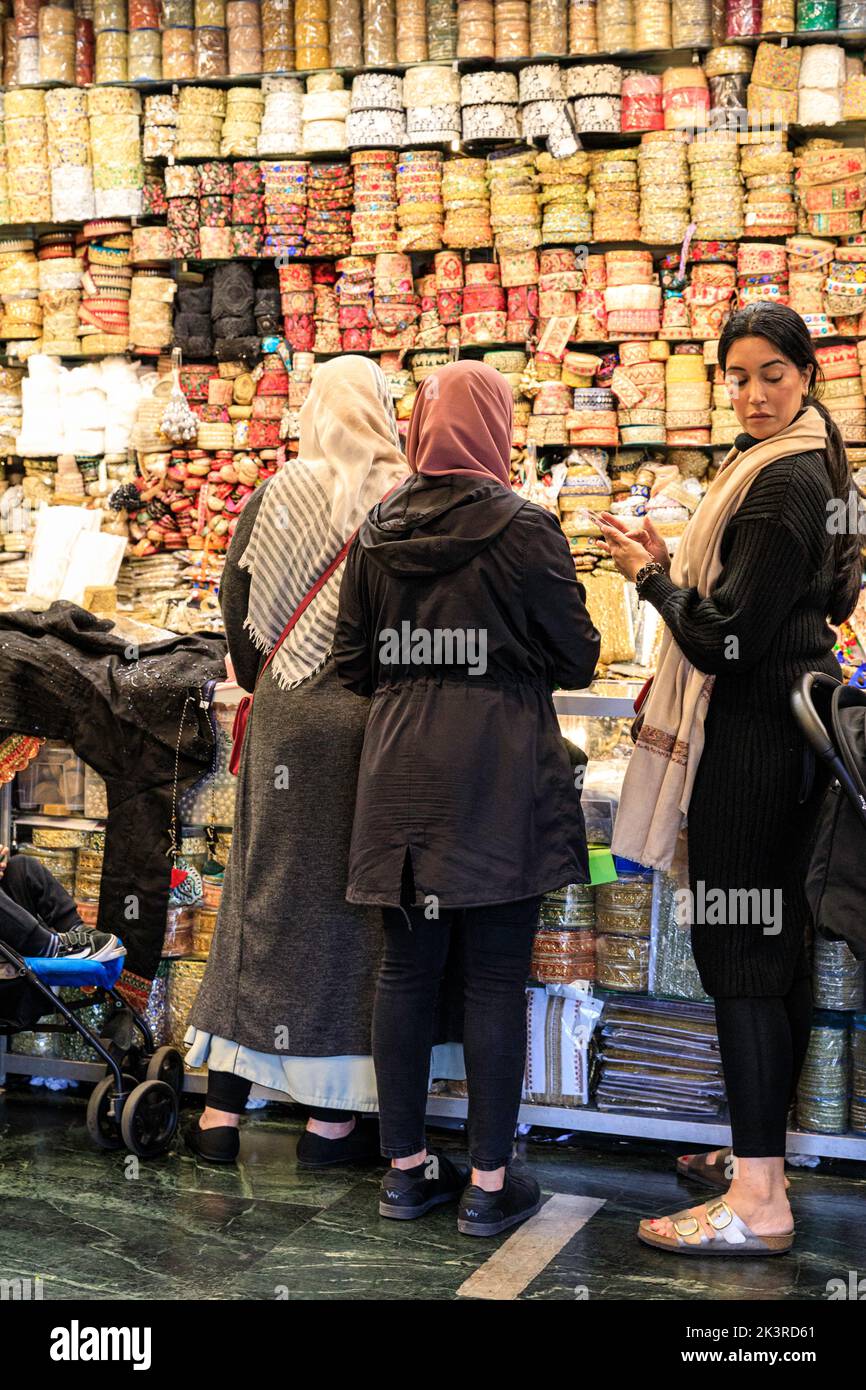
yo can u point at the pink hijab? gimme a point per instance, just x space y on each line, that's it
461 423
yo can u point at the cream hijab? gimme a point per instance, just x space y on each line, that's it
348 458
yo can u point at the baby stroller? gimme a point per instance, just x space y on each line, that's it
135 1105
832 718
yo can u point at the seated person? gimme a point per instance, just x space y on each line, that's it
39 918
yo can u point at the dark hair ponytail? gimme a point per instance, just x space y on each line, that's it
785 329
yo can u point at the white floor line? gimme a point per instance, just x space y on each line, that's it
531 1248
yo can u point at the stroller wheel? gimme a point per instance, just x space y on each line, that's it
149 1119
166 1065
103 1124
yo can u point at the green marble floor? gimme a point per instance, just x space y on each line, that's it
95 1225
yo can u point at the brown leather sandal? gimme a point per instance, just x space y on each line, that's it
715 1175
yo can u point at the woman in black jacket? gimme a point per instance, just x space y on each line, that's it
723 772
459 613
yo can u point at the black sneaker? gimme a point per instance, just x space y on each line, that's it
408 1192
359 1147
490 1213
218 1145
85 943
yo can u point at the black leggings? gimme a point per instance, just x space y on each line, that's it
33 907
225 1091
497 945
763 1043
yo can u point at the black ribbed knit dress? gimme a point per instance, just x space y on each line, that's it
748 824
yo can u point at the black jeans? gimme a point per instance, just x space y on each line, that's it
33 907
497 946
763 1043
225 1091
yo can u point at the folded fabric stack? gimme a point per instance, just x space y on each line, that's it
150 305
659 1057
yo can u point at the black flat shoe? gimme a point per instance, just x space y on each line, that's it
406 1193
219 1145
490 1213
357 1148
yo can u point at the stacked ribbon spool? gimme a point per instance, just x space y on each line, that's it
431 96
325 308
285 207
685 98
111 40
346 30
448 271
559 281
710 291
60 272
762 273
544 111
21 323
665 187
159 133
614 188
724 425
441 30
420 211
104 309
489 106
56 44
4 171
688 395
395 307
355 302
215 212
642 102
377 119
808 260
717 200
324 112
596 92
211 39
821 84
511 29
779 16
831 185
843 390
615 21
632 297
767 166
244 26
639 386
857 1112
183 187
329 210
582 28
727 71
380 32
476 29
467 204
514 212
374 218
145 41
483 316
150 304
551 407
591 317
115 120
200 115
519 273
772 90
243 118
311 34
652 25
178 40
845 286
432 332
27 156
68 131
248 210
564 197
854 91
281 127
591 422
822 1090
278 35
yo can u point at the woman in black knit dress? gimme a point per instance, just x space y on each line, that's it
784 571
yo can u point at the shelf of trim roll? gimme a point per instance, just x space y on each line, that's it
580 1119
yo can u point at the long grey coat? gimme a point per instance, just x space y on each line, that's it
289 953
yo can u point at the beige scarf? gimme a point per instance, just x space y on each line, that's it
650 823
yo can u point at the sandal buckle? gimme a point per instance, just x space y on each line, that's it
719 1215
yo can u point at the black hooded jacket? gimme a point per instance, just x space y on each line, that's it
459 614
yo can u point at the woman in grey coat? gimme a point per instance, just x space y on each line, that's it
288 990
